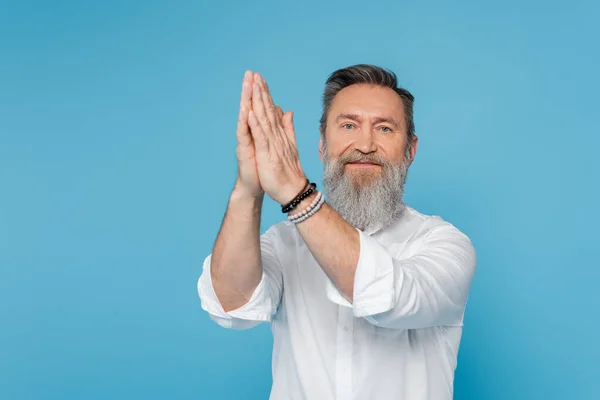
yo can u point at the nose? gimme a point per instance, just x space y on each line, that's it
365 142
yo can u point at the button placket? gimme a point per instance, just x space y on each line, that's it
345 338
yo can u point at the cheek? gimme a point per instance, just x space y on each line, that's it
393 149
336 147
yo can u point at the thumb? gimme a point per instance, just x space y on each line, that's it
279 112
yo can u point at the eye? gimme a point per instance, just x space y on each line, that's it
385 129
347 126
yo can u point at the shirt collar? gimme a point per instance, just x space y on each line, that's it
373 230
382 226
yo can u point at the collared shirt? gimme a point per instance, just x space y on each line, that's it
398 339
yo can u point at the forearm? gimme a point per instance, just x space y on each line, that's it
236 267
334 243
430 288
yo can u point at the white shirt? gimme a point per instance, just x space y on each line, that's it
400 337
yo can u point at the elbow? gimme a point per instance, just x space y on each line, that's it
417 307
396 319
229 319
234 323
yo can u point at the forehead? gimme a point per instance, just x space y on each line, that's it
368 101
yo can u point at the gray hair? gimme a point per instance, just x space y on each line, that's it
368 74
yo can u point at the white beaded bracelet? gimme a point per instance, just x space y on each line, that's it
311 212
307 209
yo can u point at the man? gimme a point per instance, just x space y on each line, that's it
364 294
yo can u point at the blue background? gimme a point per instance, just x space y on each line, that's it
117 156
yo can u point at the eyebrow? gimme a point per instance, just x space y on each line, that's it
376 120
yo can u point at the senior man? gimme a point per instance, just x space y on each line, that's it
364 294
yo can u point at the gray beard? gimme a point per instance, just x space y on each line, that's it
370 205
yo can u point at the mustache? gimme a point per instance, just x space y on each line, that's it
360 157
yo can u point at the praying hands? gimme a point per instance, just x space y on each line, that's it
268 159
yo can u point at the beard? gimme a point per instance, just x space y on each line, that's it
367 199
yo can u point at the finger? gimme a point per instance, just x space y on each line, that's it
259 110
242 131
287 122
270 107
247 88
265 88
257 132
280 115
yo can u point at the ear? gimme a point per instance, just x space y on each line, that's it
321 146
413 148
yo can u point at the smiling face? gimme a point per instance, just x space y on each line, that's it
366 152
366 127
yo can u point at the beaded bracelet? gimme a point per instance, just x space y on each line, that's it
311 212
301 196
307 209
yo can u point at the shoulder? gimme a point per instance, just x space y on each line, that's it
439 239
434 227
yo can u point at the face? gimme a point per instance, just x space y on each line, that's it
367 121
366 154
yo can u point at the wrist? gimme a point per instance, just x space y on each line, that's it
303 205
241 197
242 191
294 190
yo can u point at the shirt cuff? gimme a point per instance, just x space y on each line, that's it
373 280
255 309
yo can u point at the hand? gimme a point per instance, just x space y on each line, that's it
279 170
247 180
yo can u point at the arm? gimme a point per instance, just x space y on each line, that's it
327 230
241 283
236 267
428 289
281 177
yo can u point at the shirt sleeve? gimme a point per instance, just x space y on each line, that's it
265 299
427 289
